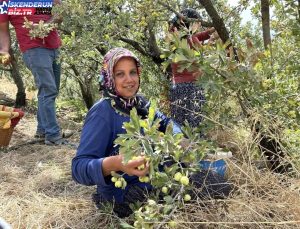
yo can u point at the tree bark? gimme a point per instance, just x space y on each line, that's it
139 47
85 88
15 73
218 22
153 47
265 19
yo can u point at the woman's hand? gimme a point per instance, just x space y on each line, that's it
131 168
115 163
211 30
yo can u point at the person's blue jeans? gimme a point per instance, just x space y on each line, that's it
42 62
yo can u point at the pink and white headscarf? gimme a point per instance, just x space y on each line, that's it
107 83
110 59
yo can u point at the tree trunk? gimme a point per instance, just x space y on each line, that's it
15 73
86 94
218 23
85 88
265 19
216 19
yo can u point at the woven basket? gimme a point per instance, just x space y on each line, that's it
5 136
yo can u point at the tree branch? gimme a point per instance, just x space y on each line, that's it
218 23
153 47
217 20
136 45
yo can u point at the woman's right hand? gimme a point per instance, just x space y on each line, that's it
115 163
131 168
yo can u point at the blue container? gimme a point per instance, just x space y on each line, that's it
218 166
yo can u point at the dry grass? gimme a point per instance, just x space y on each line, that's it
261 199
37 190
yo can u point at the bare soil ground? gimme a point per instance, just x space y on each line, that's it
37 191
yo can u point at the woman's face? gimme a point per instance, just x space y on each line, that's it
126 77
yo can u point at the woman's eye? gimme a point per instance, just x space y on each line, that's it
119 75
133 73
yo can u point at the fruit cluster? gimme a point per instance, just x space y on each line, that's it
40 30
119 181
4 58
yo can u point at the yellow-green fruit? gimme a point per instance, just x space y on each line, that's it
172 224
177 176
4 58
292 114
114 179
187 197
266 84
141 167
118 184
133 159
144 179
164 189
184 180
151 202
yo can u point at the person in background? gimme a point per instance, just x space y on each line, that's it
97 155
186 97
41 58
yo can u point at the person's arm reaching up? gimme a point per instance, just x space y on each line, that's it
197 38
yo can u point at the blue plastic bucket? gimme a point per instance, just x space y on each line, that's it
218 166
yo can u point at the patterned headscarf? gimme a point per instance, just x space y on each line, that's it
107 82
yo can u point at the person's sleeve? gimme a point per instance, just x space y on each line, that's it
198 38
165 121
94 143
202 36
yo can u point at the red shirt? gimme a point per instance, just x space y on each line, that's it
187 76
52 41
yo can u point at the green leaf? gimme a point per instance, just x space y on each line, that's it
135 119
126 225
